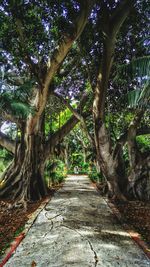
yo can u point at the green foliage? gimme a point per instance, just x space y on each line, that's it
82 167
143 142
138 67
56 115
139 98
138 70
78 161
94 175
15 100
55 172
5 159
88 87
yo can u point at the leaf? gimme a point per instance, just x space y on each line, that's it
33 264
138 67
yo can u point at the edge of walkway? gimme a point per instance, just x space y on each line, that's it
135 236
15 243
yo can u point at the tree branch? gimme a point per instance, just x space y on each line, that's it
143 131
23 39
56 60
7 143
122 140
9 117
57 137
120 14
62 50
65 129
78 115
111 30
66 103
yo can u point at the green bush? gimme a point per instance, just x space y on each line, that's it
94 175
55 172
143 142
82 168
5 159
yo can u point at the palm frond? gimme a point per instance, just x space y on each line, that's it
15 100
139 68
139 98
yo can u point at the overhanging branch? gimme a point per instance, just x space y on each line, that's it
78 115
23 42
63 48
9 117
57 137
120 14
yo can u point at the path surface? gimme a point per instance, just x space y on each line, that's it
77 229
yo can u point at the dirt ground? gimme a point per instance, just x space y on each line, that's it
137 215
12 221
134 213
77 228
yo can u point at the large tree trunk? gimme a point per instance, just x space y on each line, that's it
139 179
139 176
108 164
24 178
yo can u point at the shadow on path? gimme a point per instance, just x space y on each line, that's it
77 228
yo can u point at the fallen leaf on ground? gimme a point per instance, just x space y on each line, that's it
33 264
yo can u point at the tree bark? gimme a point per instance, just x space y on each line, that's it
139 177
66 155
108 164
24 178
7 143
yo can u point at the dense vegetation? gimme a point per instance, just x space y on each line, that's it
74 93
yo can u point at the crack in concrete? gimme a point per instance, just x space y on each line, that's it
89 242
95 254
57 215
52 225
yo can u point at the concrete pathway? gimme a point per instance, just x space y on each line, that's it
77 229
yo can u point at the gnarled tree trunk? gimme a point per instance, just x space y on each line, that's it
139 175
24 179
139 179
108 164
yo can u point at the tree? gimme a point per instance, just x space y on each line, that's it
138 101
110 28
31 56
112 44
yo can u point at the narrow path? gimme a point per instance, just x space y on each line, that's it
77 229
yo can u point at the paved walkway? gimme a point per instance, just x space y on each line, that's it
77 229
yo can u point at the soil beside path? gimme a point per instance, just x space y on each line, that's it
77 228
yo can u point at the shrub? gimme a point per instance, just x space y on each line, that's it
143 142
55 172
94 175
